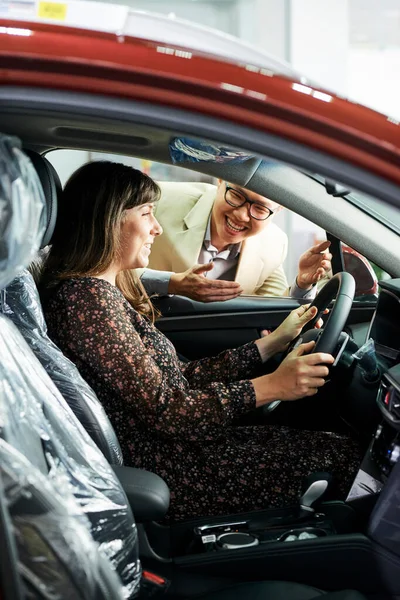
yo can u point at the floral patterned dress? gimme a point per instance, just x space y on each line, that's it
174 418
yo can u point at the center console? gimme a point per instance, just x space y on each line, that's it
298 523
242 534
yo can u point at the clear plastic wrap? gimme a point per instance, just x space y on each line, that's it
58 557
22 210
184 149
34 417
21 303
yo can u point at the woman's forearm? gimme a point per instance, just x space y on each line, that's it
265 390
269 345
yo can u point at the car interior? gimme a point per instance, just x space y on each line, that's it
62 472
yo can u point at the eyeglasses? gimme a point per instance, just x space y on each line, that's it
235 198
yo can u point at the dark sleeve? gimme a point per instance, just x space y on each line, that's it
98 331
230 365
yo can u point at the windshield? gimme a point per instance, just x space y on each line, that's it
386 214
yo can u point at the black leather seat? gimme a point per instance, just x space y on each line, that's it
76 534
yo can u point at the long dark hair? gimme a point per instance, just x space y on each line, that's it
87 234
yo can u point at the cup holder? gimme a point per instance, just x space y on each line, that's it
232 540
305 533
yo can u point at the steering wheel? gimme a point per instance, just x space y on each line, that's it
341 286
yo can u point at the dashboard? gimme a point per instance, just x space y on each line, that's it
385 331
384 450
385 326
377 482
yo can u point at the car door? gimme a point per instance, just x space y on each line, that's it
198 329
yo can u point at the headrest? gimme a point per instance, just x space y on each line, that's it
52 188
22 210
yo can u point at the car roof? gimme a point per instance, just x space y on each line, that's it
51 56
184 33
122 20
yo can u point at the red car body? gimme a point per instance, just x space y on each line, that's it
63 58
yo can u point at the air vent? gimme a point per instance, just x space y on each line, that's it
395 404
389 401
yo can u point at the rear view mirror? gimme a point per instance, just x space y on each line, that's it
362 271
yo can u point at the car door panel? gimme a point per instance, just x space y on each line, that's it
197 329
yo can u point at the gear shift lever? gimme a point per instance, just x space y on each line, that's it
314 490
315 487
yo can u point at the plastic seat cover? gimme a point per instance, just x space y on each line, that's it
21 303
44 439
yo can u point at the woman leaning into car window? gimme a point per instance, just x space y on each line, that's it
175 418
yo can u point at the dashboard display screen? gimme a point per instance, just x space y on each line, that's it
385 329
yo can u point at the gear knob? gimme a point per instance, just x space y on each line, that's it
314 489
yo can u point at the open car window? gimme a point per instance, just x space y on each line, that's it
301 233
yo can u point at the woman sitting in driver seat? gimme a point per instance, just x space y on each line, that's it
175 418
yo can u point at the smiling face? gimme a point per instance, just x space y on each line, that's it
230 225
139 227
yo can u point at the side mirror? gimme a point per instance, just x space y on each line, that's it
362 271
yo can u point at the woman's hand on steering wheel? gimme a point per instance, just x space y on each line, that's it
291 327
301 374
341 288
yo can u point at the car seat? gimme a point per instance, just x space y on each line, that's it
46 536
69 514
21 303
34 418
